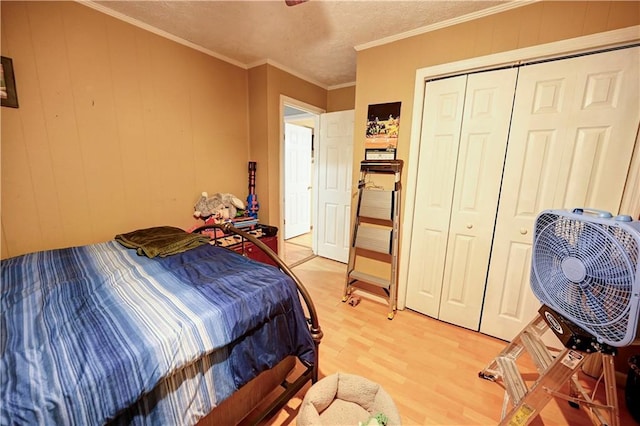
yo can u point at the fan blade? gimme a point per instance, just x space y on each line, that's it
557 243
601 267
604 310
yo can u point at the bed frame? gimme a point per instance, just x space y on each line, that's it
242 404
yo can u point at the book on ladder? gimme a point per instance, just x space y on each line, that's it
375 232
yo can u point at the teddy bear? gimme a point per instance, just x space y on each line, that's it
219 205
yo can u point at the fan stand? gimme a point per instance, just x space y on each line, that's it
554 372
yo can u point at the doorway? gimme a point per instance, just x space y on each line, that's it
331 170
300 131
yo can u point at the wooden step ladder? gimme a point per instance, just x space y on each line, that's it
376 228
522 404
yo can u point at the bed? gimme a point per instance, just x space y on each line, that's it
104 334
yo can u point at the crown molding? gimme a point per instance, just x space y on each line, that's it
288 71
102 9
342 86
448 23
486 12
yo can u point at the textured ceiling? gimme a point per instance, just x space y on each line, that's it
315 40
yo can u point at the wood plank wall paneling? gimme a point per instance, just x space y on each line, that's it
128 96
95 115
117 129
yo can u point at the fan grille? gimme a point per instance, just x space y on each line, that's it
586 271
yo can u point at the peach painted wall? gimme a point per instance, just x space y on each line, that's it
342 99
117 129
267 83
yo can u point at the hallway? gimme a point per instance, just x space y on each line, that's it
298 249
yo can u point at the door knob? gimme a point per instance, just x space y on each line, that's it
523 231
469 225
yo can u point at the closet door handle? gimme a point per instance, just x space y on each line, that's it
523 231
469 225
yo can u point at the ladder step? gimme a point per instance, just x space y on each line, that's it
374 239
513 381
376 204
538 350
371 279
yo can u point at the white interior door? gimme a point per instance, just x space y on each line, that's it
483 143
439 141
464 139
297 198
573 131
334 165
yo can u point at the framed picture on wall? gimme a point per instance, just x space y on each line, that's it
383 124
8 94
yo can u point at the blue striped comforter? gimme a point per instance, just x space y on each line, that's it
85 332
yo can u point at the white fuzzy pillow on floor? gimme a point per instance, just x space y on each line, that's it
345 399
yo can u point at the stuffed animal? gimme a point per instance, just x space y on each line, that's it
221 206
378 420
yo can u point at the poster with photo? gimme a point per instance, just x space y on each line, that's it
383 125
8 94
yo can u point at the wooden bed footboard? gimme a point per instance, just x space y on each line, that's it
310 372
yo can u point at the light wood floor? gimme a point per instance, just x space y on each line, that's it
429 367
297 249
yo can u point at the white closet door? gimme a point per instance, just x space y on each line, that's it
439 142
463 143
483 143
573 132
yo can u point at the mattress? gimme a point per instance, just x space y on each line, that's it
87 332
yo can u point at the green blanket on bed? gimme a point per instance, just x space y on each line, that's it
161 241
